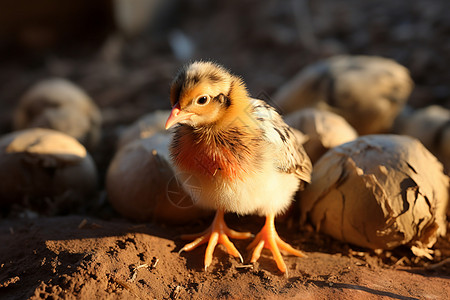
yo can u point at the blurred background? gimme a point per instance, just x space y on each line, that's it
124 53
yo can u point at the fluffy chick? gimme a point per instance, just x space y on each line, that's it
233 154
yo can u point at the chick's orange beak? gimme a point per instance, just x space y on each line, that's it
176 116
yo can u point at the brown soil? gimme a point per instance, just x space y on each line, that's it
86 258
93 253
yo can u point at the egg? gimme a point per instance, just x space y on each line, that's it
61 105
430 125
145 127
379 192
46 171
368 91
323 130
142 185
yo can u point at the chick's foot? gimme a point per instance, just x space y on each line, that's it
268 238
217 233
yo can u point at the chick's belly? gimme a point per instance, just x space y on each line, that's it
263 193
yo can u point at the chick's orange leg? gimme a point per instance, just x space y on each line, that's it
217 233
268 238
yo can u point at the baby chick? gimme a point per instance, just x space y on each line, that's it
233 154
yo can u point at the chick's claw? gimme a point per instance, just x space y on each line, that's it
217 233
288 248
268 238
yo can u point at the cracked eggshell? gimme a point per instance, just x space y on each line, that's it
145 127
60 105
368 91
323 129
379 192
141 184
46 170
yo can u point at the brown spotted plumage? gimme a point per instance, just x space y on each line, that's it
237 155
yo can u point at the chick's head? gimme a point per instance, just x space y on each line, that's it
202 93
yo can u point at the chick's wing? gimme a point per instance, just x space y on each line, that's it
289 155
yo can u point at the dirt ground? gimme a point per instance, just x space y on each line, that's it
94 253
75 257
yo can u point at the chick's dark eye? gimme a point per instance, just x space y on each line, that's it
202 100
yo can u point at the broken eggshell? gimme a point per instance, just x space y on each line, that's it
141 184
323 129
60 105
368 91
45 170
379 192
